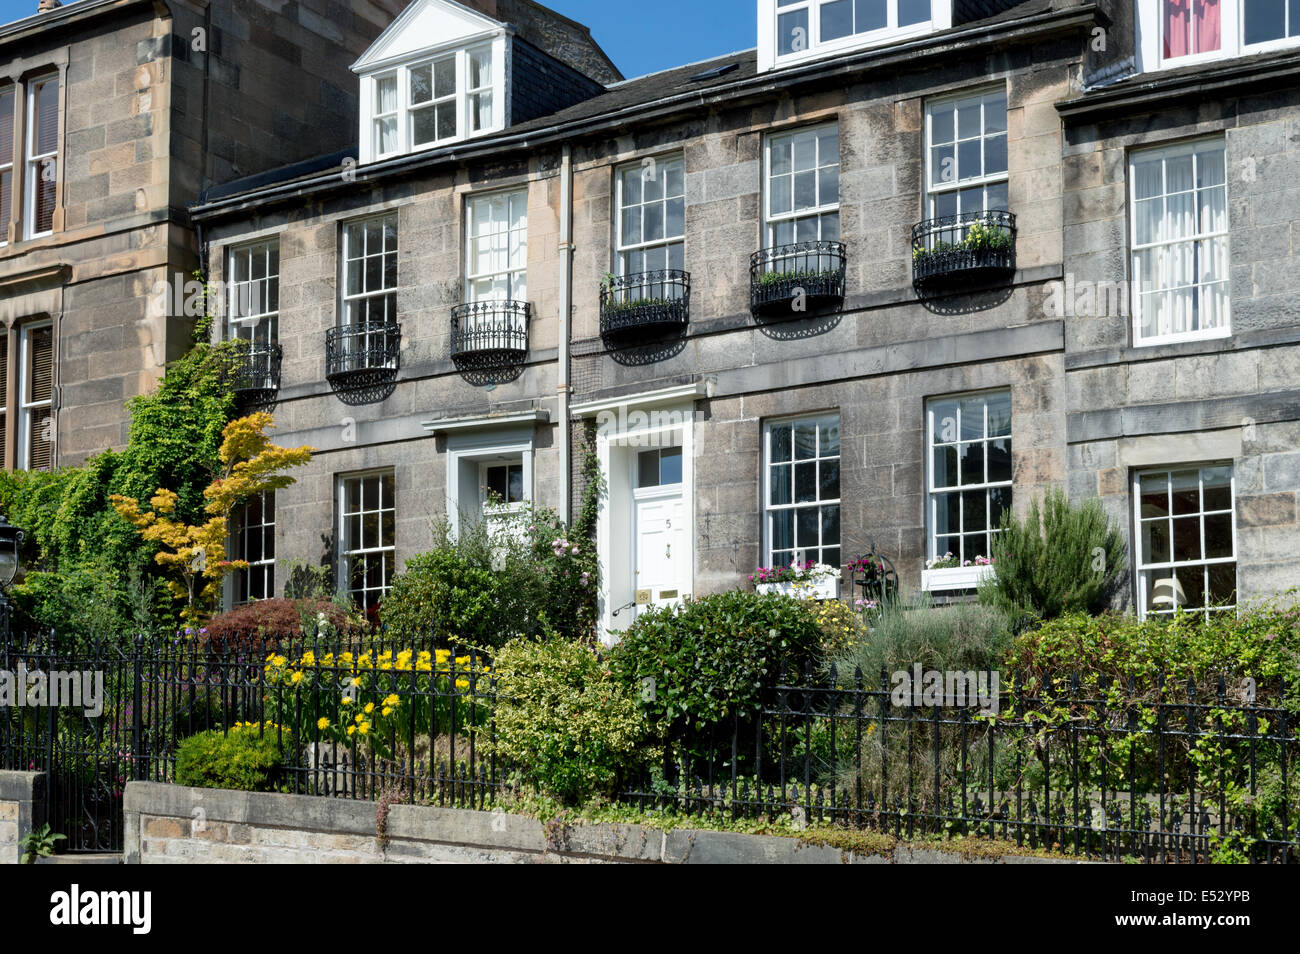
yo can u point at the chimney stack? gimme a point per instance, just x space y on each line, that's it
45 6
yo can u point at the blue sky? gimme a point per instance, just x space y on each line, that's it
641 36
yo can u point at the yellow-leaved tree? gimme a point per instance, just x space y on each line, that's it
251 465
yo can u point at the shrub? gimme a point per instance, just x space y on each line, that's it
564 720
959 636
710 658
1062 559
1262 642
840 624
247 758
265 622
496 579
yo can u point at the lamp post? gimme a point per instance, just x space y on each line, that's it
11 538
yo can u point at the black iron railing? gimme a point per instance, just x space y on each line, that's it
792 280
490 332
1157 770
256 372
972 246
363 354
646 302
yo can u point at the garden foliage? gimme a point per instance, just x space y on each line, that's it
248 757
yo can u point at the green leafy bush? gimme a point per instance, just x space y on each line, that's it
698 664
959 636
1261 642
496 579
246 758
564 720
1063 558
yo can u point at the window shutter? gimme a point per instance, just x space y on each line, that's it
47 143
41 389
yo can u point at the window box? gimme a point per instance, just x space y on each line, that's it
490 333
826 588
954 578
957 249
806 275
646 303
256 373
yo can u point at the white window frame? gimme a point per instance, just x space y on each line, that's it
960 577
250 327
1150 27
378 118
28 410
516 271
454 98
494 47
34 160
769 42
346 555
1142 568
768 508
468 454
506 506
347 296
771 220
7 159
264 567
656 167
1136 297
932 188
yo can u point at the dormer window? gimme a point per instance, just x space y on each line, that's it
436 76
792 31
431 102
1178 33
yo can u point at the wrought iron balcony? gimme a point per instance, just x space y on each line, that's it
789 281
974 247
645 304
490 334
255 372
363 357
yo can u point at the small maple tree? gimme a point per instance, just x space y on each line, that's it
251 465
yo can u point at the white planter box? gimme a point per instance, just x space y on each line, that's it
954 578
827 588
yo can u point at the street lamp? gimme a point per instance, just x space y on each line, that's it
11 538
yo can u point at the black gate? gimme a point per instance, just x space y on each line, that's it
69 715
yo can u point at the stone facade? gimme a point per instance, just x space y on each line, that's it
154 107
1089 409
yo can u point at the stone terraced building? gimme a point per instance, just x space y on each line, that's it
896 271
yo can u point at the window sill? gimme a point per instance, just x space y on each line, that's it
954 578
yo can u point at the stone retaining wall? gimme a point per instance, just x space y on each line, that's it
21 809
173 824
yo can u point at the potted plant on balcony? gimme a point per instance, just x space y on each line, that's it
812 581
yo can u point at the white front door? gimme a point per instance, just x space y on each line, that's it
660 560
661 554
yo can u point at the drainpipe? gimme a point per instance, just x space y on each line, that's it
566 304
